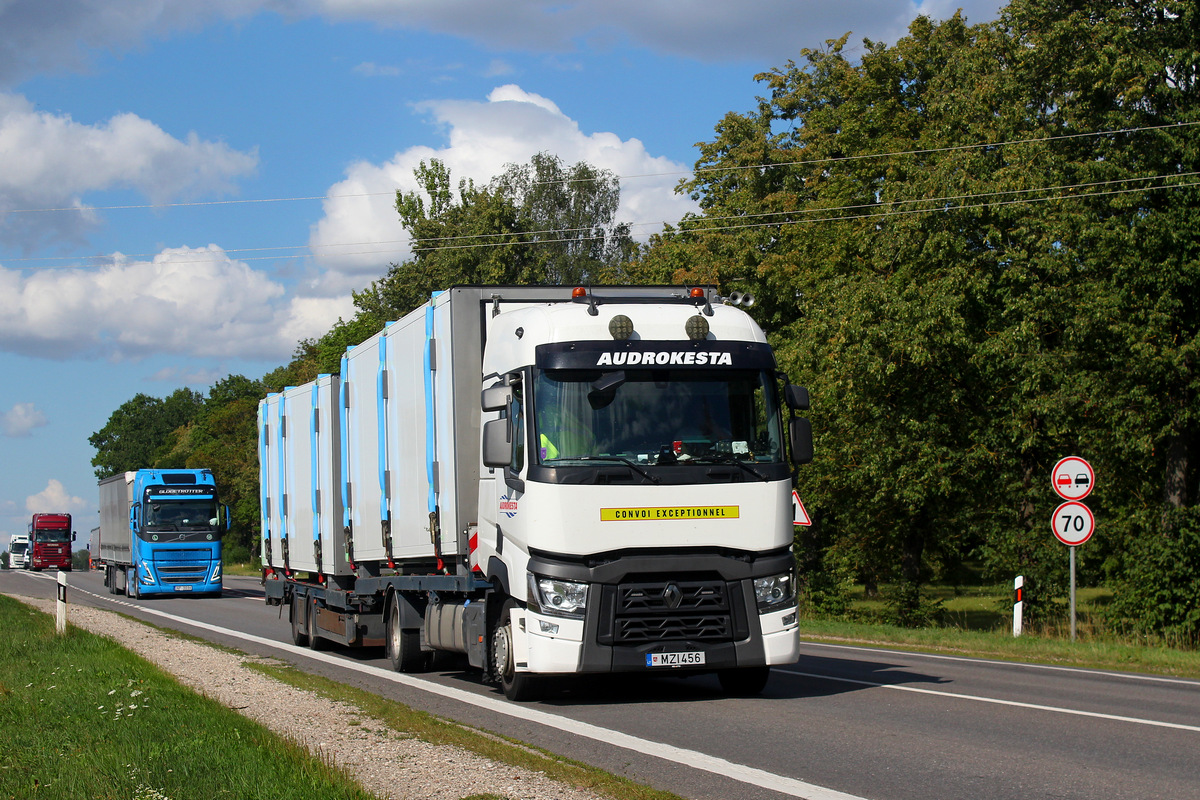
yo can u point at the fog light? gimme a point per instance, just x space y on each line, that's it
696 328
548 627
620 327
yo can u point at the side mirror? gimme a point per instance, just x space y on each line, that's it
495 398
796 397
74 536
800 434
497 447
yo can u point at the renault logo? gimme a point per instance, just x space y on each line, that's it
672 596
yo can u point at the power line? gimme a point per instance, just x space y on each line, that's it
796 163
693 225
876 211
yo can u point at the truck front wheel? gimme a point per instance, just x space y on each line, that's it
518 686
403 645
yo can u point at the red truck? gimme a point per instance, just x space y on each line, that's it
50 538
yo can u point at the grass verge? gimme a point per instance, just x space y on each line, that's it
85 718
1049 646
436 730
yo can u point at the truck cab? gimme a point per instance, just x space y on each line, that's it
50 538
18 551
636 504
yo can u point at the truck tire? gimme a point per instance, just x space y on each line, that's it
744 681
520 687
403 645
296 608
131 587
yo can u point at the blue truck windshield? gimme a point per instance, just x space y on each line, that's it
657 417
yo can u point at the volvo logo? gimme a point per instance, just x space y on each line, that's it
672 596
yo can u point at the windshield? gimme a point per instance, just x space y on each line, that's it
657 417
19 548
52 535
193 513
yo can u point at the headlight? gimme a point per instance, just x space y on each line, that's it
558 597
775 591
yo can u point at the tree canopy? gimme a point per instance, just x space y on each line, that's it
980 247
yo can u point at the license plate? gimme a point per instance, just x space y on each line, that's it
183 588
674 659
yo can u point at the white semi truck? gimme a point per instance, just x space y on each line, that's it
551 481
18 551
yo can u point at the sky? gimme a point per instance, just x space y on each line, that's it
187 190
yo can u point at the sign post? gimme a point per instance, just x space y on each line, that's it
1073 524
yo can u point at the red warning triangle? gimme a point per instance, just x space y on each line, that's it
799 514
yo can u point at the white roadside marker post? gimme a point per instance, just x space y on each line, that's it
61 622
1018 604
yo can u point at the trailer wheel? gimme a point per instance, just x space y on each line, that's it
299 637
403 646
744 681
519 687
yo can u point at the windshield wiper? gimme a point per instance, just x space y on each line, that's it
619 459
729 459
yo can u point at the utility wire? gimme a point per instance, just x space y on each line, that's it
797 163
698 224
689 225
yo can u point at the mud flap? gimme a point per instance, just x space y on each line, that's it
520 640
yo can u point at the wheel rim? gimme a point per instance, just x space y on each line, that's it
393 634
502 653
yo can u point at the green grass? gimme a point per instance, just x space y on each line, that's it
489 745
977 621
86 718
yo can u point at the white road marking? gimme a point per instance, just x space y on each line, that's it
994 701
1130 676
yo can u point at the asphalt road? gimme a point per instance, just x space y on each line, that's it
843 723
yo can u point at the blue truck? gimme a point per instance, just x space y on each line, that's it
160 532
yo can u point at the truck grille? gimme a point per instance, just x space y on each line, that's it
182 573
699 610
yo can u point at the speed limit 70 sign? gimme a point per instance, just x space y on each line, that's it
1073 523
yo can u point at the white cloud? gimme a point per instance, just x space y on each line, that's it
51 161
187 301
37 36
707 30
54 497
483 137
21 419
